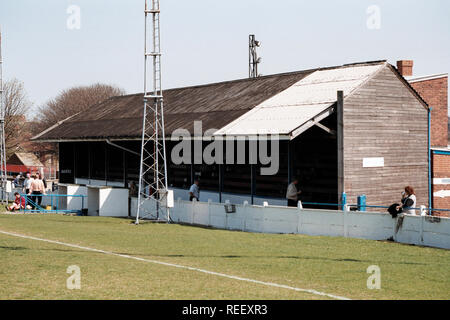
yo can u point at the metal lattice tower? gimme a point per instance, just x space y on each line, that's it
253 59
153 170
3 177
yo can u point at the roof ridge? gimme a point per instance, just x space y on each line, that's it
288 73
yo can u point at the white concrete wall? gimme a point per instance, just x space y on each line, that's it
75 203
93 201
72 203
149 209
428 231
418 230
113 202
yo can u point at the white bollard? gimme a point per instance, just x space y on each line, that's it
265 204
299 205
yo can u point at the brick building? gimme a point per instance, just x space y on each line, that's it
434 90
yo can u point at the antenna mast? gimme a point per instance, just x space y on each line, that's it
152 196
253 59
3 173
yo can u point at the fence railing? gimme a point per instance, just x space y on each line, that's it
362 207
54 203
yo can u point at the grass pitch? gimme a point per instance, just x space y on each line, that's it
31 269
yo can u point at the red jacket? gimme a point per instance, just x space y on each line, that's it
20 200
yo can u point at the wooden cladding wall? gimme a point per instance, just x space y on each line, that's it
384 119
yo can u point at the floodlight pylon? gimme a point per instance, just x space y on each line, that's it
152 197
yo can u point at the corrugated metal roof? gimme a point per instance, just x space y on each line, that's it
310 97
277 103
28 159
215 105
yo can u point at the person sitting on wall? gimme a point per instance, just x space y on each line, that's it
194 191
292 193
19 203
408 201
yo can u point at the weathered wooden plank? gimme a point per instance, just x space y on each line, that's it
385 119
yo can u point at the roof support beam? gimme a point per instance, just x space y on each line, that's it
298 131
325 128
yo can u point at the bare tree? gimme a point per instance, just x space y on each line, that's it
72 101
16 106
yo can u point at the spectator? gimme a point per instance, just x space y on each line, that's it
37 189
408 201
133 191
292 193
16 182
40 176
19 203
194 191
27 183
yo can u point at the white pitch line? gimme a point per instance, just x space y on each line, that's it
270 284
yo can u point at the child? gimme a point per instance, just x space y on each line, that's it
19 203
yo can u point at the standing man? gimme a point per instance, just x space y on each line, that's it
27 183
194 191
37 189
292 193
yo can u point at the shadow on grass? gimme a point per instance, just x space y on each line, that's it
275 257
13 248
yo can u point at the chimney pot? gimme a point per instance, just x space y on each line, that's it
405 67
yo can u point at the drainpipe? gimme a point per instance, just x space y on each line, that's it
430 203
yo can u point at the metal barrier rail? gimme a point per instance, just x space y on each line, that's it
324 204
368 206
53 204
385 207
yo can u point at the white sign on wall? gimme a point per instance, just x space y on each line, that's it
441 181
442 193
373 162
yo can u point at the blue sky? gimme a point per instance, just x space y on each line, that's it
207 40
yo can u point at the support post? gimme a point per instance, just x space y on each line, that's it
253 182
106 163
125 173
289 148
221 174
340 142
192 164
430 186
74 163
362 203
89 162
